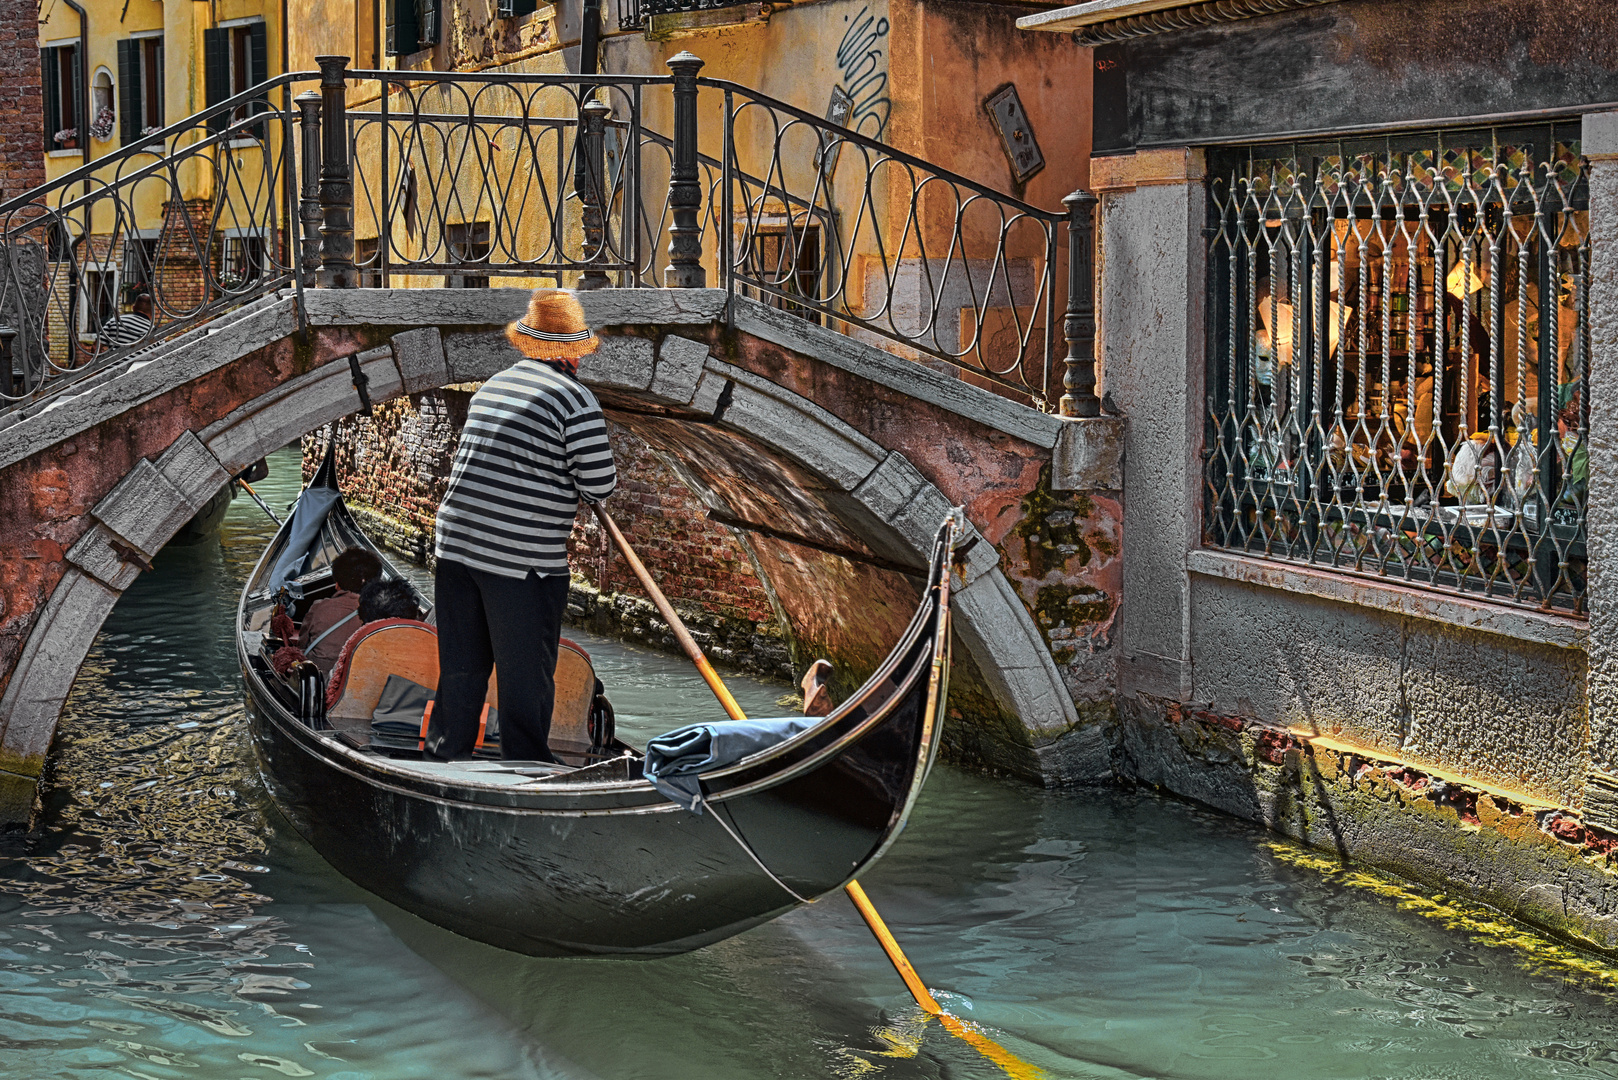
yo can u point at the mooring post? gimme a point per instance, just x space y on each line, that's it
684 270
1079 325
308 104
590 182
336 180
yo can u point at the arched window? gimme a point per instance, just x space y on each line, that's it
103 118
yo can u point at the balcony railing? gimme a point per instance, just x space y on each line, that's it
200 217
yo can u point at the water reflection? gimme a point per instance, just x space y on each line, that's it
167 923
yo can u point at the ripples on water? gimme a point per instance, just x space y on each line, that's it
167 923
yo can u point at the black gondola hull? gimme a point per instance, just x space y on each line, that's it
614 868
651 880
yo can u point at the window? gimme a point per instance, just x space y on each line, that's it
507 9
98 297
140 88
62 80
368 261
413 25
241 261
236 61
58 242
102 115
140 260
786 257
468 243
1399 349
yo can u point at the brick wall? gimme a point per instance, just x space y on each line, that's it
180 283
22 148
394 466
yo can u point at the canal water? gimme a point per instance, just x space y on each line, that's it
168 923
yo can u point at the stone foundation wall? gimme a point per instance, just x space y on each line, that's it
394 467
1532 858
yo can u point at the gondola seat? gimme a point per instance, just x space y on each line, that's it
409 648
404 647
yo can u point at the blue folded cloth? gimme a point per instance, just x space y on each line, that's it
675 760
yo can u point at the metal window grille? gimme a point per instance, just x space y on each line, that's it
100 301
1399 350
788 257
629 17
648 8
140 261
241 261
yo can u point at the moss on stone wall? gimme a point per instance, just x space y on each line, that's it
1527 858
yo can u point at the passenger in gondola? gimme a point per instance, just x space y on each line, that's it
534 445
387 598
331 621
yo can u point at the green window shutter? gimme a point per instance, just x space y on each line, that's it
258 70
158 83
129 88
80 121
51 75
216 68
258 53
402 28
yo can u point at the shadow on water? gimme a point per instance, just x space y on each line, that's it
167 923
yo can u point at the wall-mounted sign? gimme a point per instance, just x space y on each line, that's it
1016 133
837 112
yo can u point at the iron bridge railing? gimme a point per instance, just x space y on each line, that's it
474 179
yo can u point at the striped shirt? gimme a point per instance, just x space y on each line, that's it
535 442
124 330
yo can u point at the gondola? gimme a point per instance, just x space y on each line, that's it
586 857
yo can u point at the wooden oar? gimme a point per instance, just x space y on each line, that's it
262 505
1014 1067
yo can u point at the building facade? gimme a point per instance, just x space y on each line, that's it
115 76
1355 304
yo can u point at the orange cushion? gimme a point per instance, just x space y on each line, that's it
409 648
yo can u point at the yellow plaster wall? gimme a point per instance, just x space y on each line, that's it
182 23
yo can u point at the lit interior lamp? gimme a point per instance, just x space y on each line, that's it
1455 284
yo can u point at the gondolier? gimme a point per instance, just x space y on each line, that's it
534 444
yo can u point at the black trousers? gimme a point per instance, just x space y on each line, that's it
487 621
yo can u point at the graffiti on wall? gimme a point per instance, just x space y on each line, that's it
862 66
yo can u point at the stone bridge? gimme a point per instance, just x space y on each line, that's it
835 459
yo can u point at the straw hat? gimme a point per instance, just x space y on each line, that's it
554 327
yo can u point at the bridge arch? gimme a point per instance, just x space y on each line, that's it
832 516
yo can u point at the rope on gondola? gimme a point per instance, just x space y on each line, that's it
745 846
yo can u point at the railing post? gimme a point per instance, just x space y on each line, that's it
685 188
590 182
336 181
308 104
1079 325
